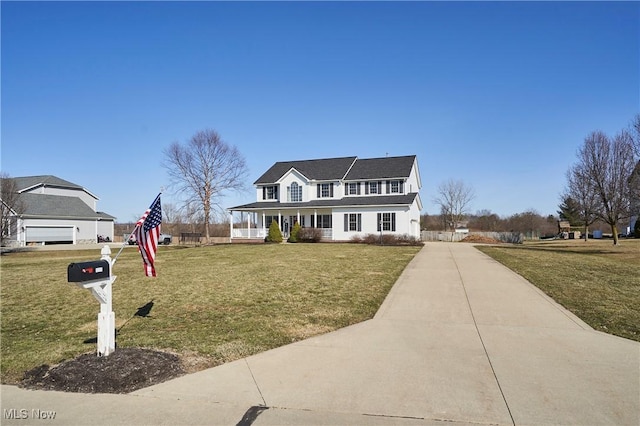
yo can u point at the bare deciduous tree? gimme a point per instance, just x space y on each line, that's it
454 199
581 190
608 164
203 170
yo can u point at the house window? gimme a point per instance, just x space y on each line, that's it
386 222
269 219
294 193
352 222
373 188
270 192
324 221
325 190
395 187
353 188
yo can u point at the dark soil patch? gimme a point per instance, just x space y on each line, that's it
124 371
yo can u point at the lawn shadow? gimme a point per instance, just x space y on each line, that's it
142 312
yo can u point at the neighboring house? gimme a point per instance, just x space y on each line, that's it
344 197
53 210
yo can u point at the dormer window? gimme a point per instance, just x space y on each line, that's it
294 193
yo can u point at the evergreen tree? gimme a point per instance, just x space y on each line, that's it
274 236
295 232
570 210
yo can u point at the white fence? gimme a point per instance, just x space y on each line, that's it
505 237
250 233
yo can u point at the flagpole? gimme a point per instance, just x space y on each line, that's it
124 244
132 232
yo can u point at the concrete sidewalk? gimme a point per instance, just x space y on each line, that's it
460 339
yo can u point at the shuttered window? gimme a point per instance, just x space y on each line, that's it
325 190
386 222
352 222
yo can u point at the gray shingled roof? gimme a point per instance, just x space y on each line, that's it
381 168
49 180
56 206
377 200
323 169
348 168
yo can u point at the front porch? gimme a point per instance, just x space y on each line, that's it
253 226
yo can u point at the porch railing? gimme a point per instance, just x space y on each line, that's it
251 233
327 233
259 233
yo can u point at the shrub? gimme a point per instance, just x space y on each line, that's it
372 239
636 228
295 232
356 239
387 240
274 236
309 235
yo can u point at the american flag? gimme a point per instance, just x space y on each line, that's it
147 235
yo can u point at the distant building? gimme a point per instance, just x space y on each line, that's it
55 211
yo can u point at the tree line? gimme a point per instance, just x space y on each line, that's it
529 223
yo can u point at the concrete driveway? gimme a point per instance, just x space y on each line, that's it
460 339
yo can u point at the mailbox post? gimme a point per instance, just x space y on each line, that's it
96 276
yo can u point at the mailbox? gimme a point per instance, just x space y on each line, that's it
87 271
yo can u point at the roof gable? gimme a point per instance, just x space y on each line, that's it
295 173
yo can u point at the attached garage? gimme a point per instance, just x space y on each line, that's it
49 234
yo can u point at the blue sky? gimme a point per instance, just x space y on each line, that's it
499 95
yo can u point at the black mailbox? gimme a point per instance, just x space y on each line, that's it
87 271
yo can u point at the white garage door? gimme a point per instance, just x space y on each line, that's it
49 234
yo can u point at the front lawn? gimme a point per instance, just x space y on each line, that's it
595 280
208 304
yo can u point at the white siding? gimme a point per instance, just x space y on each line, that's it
370 221
287 180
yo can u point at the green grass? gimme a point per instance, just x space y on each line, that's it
595 280
210 304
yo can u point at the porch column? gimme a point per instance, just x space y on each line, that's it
299 218
248 225
230 225
315 218
264 231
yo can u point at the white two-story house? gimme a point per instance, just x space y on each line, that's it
344 197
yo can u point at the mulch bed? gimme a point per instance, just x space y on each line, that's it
124 371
